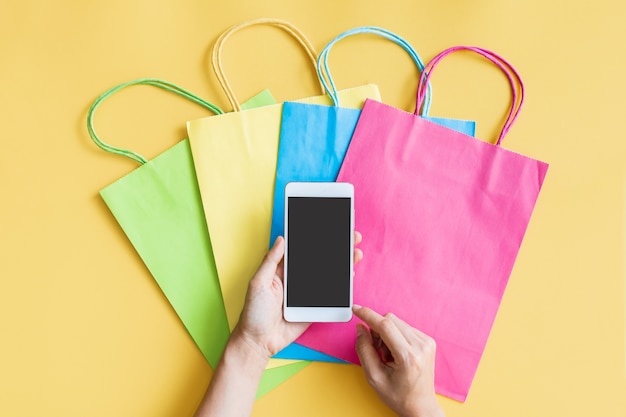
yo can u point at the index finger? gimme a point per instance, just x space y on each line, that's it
386 328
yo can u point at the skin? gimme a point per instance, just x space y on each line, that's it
398 360
399 363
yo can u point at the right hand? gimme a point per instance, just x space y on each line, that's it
399 363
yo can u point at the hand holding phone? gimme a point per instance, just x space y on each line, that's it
319 238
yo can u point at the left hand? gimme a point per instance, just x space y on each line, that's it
262 324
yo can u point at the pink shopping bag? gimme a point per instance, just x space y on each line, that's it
443 216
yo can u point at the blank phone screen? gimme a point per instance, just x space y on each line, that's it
318 264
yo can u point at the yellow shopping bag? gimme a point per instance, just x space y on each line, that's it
235 159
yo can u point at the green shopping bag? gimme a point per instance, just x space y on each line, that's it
159 208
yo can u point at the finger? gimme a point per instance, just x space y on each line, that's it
387 329
278 250
267 269
358 255
380 346
280 270
404 327
412 335
377 342
372 366
385 354
293 330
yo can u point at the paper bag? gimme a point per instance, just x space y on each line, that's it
235 160
159 208
443 216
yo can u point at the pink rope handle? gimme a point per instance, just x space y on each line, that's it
513 76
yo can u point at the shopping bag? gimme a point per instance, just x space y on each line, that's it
159 208
235 160
314 138
443 216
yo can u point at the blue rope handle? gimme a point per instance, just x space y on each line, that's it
155 82
323 71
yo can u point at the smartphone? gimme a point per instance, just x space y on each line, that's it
319 247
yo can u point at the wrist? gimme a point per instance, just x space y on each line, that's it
432 410
235 380
244 344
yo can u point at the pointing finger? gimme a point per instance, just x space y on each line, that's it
387 329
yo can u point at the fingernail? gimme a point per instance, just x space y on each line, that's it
360 331
356 307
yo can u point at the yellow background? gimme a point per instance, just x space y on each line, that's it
86 331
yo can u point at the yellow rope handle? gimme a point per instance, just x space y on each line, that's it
216 53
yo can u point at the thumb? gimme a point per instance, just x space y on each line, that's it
367 354
268 267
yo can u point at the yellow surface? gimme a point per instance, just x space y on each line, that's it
86 331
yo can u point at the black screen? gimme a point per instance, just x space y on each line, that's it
318 266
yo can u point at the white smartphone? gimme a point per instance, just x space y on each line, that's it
319 247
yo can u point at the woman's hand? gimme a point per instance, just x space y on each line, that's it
399 363
261 324
260 334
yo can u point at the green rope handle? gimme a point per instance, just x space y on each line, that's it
155 82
